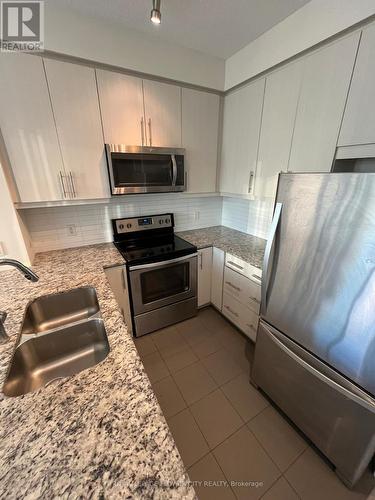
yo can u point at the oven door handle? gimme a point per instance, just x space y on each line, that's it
162 263
174 170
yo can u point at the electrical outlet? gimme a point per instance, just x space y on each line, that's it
72 229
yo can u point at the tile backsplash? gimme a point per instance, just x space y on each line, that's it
53 228
249 216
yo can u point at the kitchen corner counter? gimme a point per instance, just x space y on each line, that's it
245 246
99 433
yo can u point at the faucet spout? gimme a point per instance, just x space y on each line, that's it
26 271
29 274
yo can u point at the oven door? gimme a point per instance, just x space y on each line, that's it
146 172
163 283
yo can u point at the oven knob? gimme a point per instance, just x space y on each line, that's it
167 221
161 221
121 226
128 225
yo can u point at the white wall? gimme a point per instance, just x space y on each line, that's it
48 226
12 232
71 33
314 22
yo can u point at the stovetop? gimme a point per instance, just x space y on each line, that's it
154 249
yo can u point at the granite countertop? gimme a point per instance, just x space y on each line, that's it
245 246
99 433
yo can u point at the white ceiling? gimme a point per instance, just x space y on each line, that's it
215 27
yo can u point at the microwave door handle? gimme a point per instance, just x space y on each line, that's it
174 170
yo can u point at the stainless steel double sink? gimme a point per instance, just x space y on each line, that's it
62 334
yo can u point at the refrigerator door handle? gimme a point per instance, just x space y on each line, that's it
267 256
359 397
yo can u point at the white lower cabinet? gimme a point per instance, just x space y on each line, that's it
218 258
243 317
242 289
204 276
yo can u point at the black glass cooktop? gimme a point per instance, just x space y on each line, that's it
154 249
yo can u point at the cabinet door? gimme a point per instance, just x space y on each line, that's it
76 109
279 113
321 105
200 125
358 126
218 258
204 276
241 126
28 128
121 104
163 114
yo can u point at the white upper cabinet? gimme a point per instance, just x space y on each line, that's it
162 113
121 104
76 109
321 105
28 128
200 126
358 126
279 113
241 127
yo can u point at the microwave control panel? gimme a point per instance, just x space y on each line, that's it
144 223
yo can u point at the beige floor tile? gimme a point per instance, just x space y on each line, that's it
178 361
216 417
189 439
194 382
277 437
168 341
144 345
281 490
193 331
213 320
169 397
155 367
313 479
221 366
207 346
244 397
209 481
243 461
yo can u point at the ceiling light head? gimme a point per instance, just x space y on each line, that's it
155 13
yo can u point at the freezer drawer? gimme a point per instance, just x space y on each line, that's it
337 416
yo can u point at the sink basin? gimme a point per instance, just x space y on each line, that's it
53 311
57 342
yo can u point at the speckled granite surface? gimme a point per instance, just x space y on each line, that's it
98 434
245 246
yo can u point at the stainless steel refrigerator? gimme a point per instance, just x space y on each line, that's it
315 349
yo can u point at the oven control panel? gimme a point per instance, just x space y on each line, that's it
144 223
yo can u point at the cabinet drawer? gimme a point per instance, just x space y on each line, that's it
244 318
241 288
244 268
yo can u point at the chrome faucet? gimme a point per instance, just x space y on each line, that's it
29 275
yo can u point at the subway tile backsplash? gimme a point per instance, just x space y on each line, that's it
54 228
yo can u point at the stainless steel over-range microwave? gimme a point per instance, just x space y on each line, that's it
140 169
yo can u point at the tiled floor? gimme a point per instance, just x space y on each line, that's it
233 442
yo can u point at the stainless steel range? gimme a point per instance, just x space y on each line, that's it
161 272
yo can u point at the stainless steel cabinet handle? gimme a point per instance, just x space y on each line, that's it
201 260
250 326
74 194
257 277
61 176
232 312
123 279
150 131
251 181
255 299
186 180
267 256
142 132
233 286
235 265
